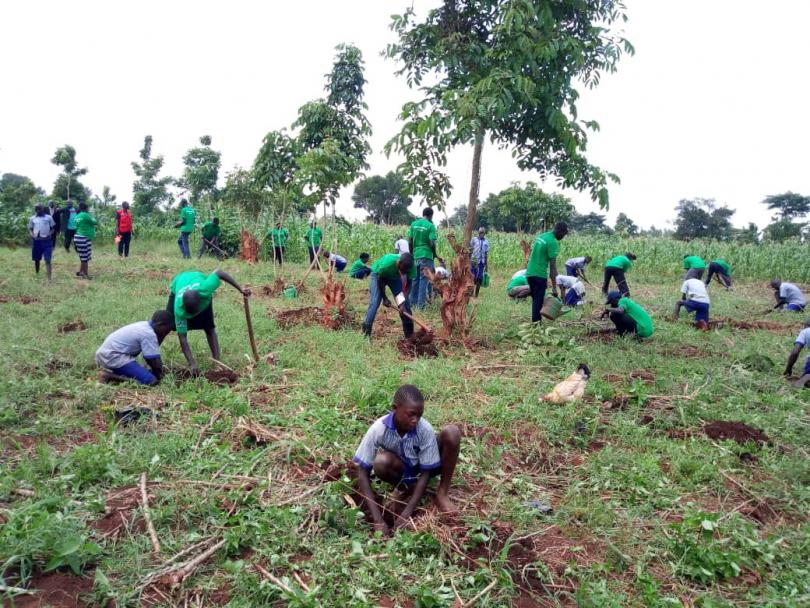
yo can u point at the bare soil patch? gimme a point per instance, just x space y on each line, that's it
311 315
600 335
55 590
77 325
19 299
419 344
222 377
119 507
736 431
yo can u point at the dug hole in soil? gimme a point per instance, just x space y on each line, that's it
77 325
55 590
119 505
222 377
419 344
736 431
20 299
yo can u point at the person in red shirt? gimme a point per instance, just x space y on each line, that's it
123 229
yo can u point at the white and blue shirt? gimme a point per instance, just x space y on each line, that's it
418 449
479 249
803 339
576 263
792 294
124 345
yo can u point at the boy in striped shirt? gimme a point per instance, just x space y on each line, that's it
402 449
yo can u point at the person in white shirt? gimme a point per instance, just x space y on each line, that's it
788 296
802 340
401 245
575 267
694 298
572 290
41 227
338 261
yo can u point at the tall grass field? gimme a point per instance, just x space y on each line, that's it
626 498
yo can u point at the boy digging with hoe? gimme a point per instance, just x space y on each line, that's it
191 304
402 449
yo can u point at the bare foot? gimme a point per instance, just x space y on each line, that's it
444 504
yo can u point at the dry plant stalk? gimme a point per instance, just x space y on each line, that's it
177 576
455 292
147 516
527 249
249 251
247 428
334 297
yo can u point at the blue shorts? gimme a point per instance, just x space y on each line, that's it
340 266
571 298
795 307
42 248
571 271
807 366
701 310
137 372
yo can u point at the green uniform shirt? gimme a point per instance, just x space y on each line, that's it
386 267
86 225
694 261
203 285
314 236
724 265
279 236
357 265
422 232
187 216
545 248
639 315
211 230
620 261
519 281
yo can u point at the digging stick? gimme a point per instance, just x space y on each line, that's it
214 246
250 329
415 320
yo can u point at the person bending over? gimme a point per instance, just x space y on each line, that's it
616 268
395 271
802 340
788 296
627 316
117 355
694 298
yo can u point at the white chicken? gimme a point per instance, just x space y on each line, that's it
570 389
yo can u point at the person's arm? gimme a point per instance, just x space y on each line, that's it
413 501
231 281
364 485
186 348
156 365
608 310
780 301
552 273
31 227
794 355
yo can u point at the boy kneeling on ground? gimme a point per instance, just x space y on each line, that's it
116 356
402 449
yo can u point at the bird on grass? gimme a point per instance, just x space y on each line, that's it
570 389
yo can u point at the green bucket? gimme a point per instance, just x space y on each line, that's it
290 292
485 280
552 308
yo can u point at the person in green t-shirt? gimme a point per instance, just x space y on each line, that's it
191 305
628 316
211 232
614 269
278 241
518 288
360 268
186 225
397 272
694 267
314 237
722 270
542 263
83 241
422 237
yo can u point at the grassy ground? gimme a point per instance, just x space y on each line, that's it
647 509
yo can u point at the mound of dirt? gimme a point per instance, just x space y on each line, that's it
276 289
310 315
77 325
736 431
762 512
19 299
419 344
119 506
223 377
56 590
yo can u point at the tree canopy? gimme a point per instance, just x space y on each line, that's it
202 170
18 192
506 71
625 226
701 218
384 198
149 190
589 223
788 206
522 209
65 157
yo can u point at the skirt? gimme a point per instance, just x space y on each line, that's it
84 247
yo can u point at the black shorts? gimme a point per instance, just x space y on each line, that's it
204 320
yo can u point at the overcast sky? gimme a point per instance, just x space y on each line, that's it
713 104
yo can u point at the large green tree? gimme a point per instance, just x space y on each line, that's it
589 223
202 170
701 218
507 71
149 190
18 192
65 157
625 226
333 132
522 209
66 187
385 198
275 171
788 206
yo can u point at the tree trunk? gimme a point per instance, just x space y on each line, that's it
475 185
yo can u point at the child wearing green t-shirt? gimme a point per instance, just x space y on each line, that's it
615 268
628 316
359 268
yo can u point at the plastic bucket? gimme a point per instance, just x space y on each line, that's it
552 308
290 292
485 280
